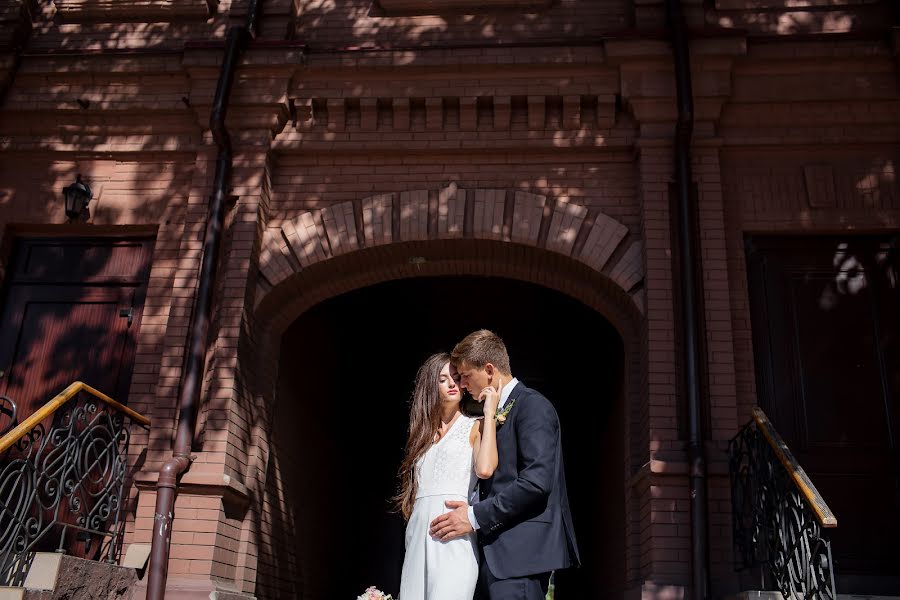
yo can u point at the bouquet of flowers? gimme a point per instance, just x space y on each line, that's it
373 593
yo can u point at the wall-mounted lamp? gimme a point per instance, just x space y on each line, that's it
77 196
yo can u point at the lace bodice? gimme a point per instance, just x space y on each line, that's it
448 467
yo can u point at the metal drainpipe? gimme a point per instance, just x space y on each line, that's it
189 398
690 278
18 49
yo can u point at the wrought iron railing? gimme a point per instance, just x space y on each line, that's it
780 520
8 414
63 478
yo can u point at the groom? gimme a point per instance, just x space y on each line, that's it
524 525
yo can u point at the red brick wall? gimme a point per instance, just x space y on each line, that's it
342 24
792 134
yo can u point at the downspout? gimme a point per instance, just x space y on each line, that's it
686 226
19 41
189 397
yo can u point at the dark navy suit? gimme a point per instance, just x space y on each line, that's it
525 526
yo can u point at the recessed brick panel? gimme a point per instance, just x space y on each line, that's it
527 216
273 264
629 269
414 215
451 212
340 226
302 234
605 235
487 206
377 219
565 225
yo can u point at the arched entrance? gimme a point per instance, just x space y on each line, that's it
394 277
345 373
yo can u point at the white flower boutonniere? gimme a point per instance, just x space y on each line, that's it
500 417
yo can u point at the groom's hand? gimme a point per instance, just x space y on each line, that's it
454 524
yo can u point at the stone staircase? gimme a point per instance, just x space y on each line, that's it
53 576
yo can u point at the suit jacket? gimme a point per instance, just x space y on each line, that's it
525 526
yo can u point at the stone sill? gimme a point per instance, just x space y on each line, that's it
233 493
430 7
136 10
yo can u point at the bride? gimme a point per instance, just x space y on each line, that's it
445 452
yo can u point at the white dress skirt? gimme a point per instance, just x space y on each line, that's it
435 570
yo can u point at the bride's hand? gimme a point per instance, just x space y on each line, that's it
490 399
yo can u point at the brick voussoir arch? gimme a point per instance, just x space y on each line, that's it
453 213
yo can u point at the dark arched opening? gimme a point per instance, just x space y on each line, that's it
345 374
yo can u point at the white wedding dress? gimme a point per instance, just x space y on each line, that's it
435 570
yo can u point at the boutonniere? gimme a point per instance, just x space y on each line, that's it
500 417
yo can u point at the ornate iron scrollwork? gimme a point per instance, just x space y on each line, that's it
774 527
62 484
8 414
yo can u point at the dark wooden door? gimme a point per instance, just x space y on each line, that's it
71 311
825 330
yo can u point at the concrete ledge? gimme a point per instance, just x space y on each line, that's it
182 588
44 571
234 494
55 576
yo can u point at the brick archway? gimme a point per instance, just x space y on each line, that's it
451 213
323 253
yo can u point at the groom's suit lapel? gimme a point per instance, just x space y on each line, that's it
516 397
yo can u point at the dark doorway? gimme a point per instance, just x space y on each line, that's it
826 317
346 373
71 311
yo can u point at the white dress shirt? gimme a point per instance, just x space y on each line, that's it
504 396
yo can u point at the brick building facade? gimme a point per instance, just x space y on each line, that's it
378 142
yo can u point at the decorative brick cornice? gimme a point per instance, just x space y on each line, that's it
463 113
452 213
258 98
135 10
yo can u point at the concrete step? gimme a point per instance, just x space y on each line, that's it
54 576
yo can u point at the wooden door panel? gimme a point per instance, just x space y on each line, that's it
77 260
64 334
61 319
836 347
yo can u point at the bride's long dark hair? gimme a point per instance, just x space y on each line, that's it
424 424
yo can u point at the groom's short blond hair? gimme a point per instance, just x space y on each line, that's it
480 348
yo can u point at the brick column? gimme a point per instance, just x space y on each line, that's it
210 500
659 484
721 381
237 416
